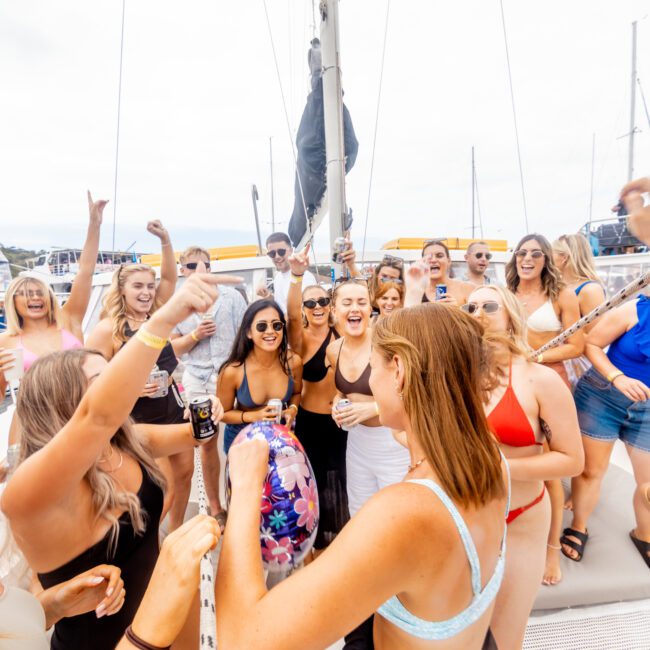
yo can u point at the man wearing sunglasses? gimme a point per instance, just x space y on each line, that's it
279 249
204 341
478 258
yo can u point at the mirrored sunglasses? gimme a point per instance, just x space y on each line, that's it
488 307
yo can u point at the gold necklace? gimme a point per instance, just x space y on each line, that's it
114 469
412 467
137 320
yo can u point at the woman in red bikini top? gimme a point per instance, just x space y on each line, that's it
526 396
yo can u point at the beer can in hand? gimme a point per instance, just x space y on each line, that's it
276 404
340 246
441 291
341 404
201 417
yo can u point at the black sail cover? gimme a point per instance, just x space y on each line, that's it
311 169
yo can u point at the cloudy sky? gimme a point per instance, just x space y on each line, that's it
200 99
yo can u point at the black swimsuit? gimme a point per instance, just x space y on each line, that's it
160 410
325 445
135 555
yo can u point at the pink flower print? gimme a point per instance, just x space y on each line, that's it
277 553
307 506
266 497
293 470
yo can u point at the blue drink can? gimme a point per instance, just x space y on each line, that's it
441 291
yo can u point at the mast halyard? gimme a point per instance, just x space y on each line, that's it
630 160
333 112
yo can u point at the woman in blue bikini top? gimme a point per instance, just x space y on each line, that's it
426 554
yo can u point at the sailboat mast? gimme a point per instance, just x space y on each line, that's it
473 187
630 160
333 113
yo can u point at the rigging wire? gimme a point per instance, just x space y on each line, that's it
117 137
478 204
374 139
645 106
514 116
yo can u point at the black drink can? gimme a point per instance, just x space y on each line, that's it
201 417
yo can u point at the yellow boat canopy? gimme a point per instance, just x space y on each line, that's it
452 243
222 253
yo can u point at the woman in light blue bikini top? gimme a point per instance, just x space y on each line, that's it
404 548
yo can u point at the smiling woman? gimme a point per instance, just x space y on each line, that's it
259 368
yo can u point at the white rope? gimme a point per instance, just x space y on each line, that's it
374 139
627 291
207 617
117 136
514 116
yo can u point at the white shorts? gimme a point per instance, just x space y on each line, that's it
194 387
374 459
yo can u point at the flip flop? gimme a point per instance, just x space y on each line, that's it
578 547
642 547
221 517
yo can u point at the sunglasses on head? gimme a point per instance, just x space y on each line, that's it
535 253
488 307
192 266
391 260
478 256
262 326
279 251
312 302
388 279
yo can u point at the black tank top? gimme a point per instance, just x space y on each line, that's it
360 386
315 369
136 556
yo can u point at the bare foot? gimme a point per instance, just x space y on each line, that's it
552 571
568 504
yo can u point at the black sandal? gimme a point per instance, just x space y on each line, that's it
642 547
578 547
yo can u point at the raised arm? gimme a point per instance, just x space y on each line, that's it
416 278
569 314
337 591
168 269
299 262
557 409
349 256
76 305
49 475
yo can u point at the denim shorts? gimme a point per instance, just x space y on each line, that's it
604 413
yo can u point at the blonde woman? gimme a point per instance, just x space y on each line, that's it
131 300
527 399
87 490
426 553
36 323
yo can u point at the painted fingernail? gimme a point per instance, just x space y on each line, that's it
100 611
96 580
109 591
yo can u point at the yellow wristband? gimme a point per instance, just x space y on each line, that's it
150 340
540 358
195 338
296 279
612 375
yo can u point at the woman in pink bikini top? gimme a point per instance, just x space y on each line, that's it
36 323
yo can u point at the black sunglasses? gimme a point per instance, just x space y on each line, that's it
192 266
262 326
311 302
478 256
488 307
535 253
279 251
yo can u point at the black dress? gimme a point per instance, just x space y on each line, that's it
135 555
325 444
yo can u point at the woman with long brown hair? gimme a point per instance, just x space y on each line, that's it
527 399
436 539
87 490
550 307
310 332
